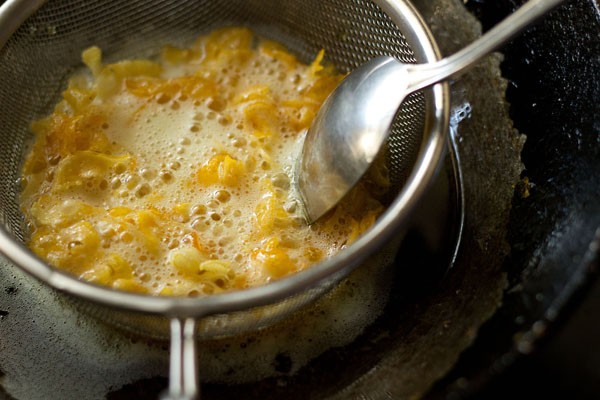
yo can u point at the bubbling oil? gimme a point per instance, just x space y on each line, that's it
176 177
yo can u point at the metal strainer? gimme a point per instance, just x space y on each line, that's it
41 46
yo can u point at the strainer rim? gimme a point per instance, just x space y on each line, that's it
403 14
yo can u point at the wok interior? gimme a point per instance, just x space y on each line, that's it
46 49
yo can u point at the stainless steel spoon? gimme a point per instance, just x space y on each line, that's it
354 121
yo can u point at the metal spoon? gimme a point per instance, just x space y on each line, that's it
353 123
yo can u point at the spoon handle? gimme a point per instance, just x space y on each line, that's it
424 75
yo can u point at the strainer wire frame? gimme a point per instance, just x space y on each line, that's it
184 312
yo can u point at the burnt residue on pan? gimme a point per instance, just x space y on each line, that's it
554 229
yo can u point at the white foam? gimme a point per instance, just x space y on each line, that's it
171 138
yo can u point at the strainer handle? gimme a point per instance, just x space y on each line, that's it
424 75
183 368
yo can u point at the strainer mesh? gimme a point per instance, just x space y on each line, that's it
45 51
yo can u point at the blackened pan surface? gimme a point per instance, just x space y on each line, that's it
554 231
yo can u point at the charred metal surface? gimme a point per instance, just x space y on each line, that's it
554 230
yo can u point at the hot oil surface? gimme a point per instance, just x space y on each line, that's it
174 177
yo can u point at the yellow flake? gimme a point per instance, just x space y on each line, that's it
262 117
221 169
187 261
129 285
274 259
92 58
278 52
159 221
87 171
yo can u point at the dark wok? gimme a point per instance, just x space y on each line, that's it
545 249
554 92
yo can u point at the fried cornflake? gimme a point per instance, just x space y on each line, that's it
172 176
